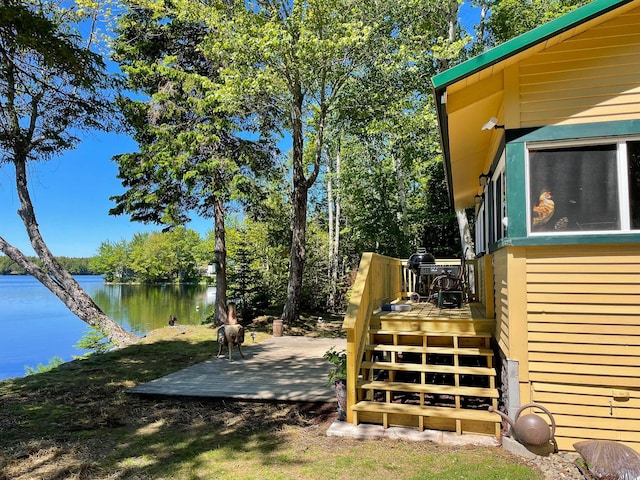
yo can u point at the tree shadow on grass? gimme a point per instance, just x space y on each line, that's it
78 421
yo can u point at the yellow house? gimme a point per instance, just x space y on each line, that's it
542 135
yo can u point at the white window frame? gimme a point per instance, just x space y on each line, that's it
499 205
481 232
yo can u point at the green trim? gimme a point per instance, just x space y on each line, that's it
517 188
540 241
526 40
516 194
577 131
441 111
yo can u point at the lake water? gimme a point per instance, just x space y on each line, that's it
36 326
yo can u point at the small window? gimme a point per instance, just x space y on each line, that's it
480 236
575 189
500 207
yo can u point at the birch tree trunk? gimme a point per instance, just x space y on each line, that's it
402 194
330 207
466 239
336 229
53 276
333 198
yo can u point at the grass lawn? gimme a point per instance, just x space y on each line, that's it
79 422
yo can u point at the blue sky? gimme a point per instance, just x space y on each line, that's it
71 200
71 194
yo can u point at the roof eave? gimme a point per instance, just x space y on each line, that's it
501 52
525 41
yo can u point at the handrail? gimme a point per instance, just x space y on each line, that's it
380 279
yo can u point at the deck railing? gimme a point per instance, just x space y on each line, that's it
379 280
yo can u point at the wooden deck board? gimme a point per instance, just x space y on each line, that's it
431 388
280 368
429 368
426 310
428 411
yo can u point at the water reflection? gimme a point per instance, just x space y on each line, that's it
141 308
37 326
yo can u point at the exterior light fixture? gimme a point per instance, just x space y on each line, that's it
483 179
477 200
491 124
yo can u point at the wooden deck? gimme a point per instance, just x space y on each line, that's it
427 310
426 317
279 368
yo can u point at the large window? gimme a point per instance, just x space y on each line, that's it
587 188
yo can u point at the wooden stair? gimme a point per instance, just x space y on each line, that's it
435 373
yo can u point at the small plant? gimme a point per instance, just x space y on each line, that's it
95 340
339 360
53 363
338 379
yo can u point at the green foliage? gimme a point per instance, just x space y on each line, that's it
246 282
53 363
113 260
510 18
96 341
75 266
190 154
167 256
257 260
56 85
152 257
385 130
315 284
440 228
339 362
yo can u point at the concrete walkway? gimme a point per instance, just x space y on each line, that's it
279 368
378 432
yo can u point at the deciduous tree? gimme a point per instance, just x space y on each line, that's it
52 88
295 57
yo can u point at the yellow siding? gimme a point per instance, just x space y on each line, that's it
501 300
591 412
587 78
583 312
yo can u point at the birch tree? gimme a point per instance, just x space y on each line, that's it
334 207
52 88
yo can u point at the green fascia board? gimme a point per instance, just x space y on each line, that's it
525 41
